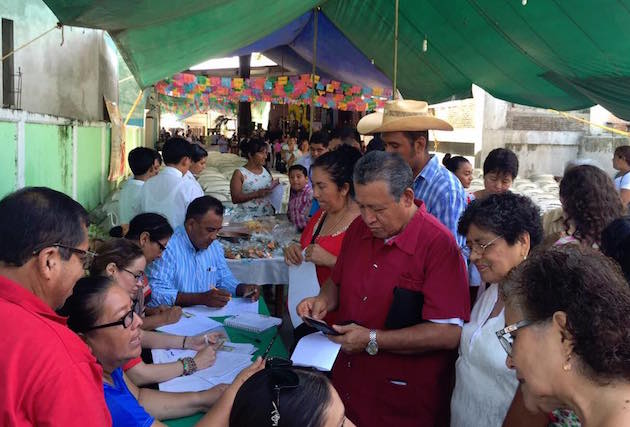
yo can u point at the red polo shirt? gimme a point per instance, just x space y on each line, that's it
390 389
49 377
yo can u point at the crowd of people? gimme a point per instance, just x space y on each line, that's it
451 308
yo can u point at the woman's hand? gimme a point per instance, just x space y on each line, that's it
170 315
263 192
199 342
205 358
293 255
319 256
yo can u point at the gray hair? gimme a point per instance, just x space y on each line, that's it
386 167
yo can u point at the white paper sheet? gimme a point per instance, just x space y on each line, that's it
182 384
317 351
188 326
276 196
234 306
302 284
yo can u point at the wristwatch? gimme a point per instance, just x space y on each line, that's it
372 347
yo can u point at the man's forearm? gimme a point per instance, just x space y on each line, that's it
188 299
330 293
420 338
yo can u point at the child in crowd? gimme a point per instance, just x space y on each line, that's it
301 196
142 162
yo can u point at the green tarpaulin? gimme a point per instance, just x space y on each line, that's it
563 54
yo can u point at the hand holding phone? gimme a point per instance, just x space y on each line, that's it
320 326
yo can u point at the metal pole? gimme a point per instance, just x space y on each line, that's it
395 51
133 107
314 61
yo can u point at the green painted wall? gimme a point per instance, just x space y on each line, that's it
48 156
89 166
8 145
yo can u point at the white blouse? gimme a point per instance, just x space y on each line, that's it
484 386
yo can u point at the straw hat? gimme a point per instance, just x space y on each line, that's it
401 115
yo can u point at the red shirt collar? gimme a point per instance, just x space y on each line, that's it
16 294
407 239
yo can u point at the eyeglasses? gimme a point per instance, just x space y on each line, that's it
125 321
161 246
480 249
137 276
86 257
505 335
282 378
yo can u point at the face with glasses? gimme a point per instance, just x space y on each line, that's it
537 354
130 277
115 336
492 255
152 248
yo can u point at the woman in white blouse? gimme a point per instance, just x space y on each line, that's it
500 232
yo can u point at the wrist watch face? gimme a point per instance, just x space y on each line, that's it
372 347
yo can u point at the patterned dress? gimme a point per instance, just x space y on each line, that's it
253 182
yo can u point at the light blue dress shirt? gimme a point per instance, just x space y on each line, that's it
183 268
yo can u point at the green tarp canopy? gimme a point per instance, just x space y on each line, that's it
562 54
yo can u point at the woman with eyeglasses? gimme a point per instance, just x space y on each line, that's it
501 230
151 232
287 397
123 262
567 338
102 314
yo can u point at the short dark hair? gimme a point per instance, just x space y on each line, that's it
590 289
349 134
141 160
507 215
198 152
253 146
339 164
305 405
35 217
501 161
157 156
202 205
175 149
453 163
121 252
623 152
616 243
155 224
386 167
320 137
84 307
590 202
299 168
412 136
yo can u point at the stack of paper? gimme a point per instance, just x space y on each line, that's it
226 367
189 326
317 351
234 306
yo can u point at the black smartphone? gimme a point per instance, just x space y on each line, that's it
320 326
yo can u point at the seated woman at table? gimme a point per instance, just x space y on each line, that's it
252 183
151 232
334 190
123 262
287 397
568 307
103 315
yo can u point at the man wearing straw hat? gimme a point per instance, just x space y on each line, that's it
404 127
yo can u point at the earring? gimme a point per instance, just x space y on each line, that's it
567 365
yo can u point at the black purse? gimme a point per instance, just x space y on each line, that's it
406 309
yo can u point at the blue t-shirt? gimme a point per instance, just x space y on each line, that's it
124 408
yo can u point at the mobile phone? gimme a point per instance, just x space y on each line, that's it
320 326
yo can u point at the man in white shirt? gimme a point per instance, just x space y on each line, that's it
169 193
141 161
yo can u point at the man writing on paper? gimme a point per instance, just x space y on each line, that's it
400 282
48 375
193 270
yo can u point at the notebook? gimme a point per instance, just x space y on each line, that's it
252 322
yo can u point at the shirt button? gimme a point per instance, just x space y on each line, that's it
364 299
375 265
349 365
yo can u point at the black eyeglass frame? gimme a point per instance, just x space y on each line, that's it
509 329
130 314
137 277
86 257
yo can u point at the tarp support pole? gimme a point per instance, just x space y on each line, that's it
395 50
312 116
133 107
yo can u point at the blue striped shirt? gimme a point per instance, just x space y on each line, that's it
443 195
182 268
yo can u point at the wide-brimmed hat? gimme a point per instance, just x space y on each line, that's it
401 115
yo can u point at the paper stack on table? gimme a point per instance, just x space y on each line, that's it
189 326
226 367
317 351
234 306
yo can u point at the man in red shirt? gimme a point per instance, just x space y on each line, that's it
400 283
49 377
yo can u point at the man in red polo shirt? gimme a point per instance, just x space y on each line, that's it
49 377
400 283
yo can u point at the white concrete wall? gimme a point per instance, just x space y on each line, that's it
69 80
